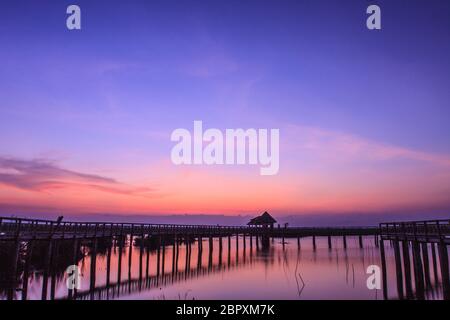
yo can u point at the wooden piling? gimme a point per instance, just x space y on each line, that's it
407 268
46 270
398 269
443 260
383 270
329 242
418 271
93 268
26 270
426 264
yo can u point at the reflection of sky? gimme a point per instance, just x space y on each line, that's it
335 274
362 114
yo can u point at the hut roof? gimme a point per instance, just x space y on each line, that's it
265 218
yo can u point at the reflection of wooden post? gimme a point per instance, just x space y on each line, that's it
407 268
398 269
383 270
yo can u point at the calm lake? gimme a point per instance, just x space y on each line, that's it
272 271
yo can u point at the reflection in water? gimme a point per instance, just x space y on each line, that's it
214 268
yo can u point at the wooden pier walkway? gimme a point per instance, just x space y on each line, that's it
415 244
27 229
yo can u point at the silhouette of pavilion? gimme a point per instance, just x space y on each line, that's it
265 220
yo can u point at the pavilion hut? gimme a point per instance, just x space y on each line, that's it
265 221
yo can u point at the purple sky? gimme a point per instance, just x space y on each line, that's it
102 102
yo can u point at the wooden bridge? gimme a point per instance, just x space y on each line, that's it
27 229
416 241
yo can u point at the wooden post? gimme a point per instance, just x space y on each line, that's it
344 240
173 254
407 268
187 254
426 264
108 266
383 270
46 270
220 250
119 263
163 259
210 252
147 258
130 256
443 259
314 242
26 270
398 269
177 254
298 243
435 270
158 259
329 242
418 270
361 242
93 268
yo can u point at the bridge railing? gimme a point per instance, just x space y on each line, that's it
11 226
417 229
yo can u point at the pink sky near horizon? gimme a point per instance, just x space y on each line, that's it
320 171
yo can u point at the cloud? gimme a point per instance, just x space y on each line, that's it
348 146
43 175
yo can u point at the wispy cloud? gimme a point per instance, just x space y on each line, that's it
349 146
44 175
